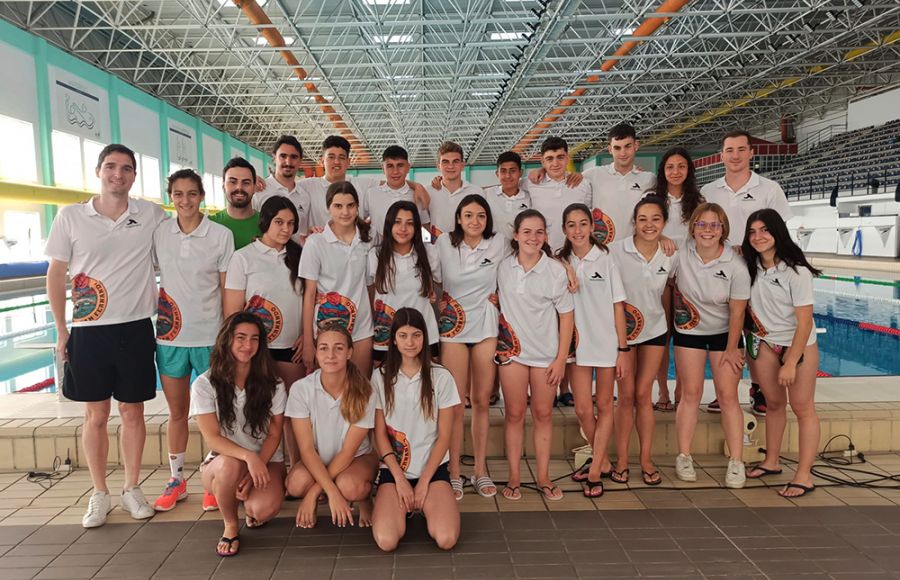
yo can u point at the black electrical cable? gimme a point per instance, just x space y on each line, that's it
48 479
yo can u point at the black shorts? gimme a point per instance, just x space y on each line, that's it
282 354
115 360
710 342
442 473
381 355
661 340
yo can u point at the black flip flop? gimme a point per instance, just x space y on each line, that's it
619 476
590 486
228 541
647 476
765 472
806 489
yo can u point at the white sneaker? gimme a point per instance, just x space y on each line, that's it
136 504
684 468
98 507
736 476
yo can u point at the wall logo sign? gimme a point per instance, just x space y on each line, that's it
79 108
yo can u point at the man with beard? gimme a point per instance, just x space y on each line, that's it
287 154
238 183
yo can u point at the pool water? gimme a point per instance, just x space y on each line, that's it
847 347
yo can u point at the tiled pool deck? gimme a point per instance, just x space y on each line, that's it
681 531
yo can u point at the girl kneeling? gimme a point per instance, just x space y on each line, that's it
239 404
332 411
415 403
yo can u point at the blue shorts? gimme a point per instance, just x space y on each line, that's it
179 361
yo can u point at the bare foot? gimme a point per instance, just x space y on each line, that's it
365 513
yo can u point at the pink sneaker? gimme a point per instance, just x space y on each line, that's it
176 490
209 502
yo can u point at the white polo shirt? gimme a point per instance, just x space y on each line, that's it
442 208
644 282
616 195
504 209
260 272
377 200
469 277
339 271
110 262
551 198
189 312
599 288
774 297
298 197
407 292
411 434
203 402
308 399
530 301
316 188
702 291
758 193
676 230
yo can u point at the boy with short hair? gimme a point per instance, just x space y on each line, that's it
452 189
380 197
508 199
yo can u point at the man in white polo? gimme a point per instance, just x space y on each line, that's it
105 247
741 192
287 154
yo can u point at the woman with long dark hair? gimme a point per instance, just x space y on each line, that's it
469 257
536 328
402 273
676 181
332 411
333 267
262 279
599 304
782 347
415 403
239 404
646 271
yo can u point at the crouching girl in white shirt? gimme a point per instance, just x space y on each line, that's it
415 404
332 411
239 404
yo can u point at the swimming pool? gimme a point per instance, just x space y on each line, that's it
861 320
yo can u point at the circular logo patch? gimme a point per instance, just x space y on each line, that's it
400 445
604 228
383 318
686 315
453 317
89 298
270 315
508 344
634 322
335 308
168 317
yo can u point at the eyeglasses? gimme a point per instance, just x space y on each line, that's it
714 226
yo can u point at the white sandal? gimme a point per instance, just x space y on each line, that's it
457 486
479 483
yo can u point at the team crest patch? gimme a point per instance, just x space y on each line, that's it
453 317
336 308
400 445
508 344
604 228
383 317
89 299
271 316
686 314
435 232
634 322
752 323
168 317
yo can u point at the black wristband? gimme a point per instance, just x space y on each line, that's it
381 459
624 348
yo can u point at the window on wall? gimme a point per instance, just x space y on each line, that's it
68 163
212 184
91 154
18 161
149 174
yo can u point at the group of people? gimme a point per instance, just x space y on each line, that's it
282 305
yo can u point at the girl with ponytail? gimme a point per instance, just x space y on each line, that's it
332 411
